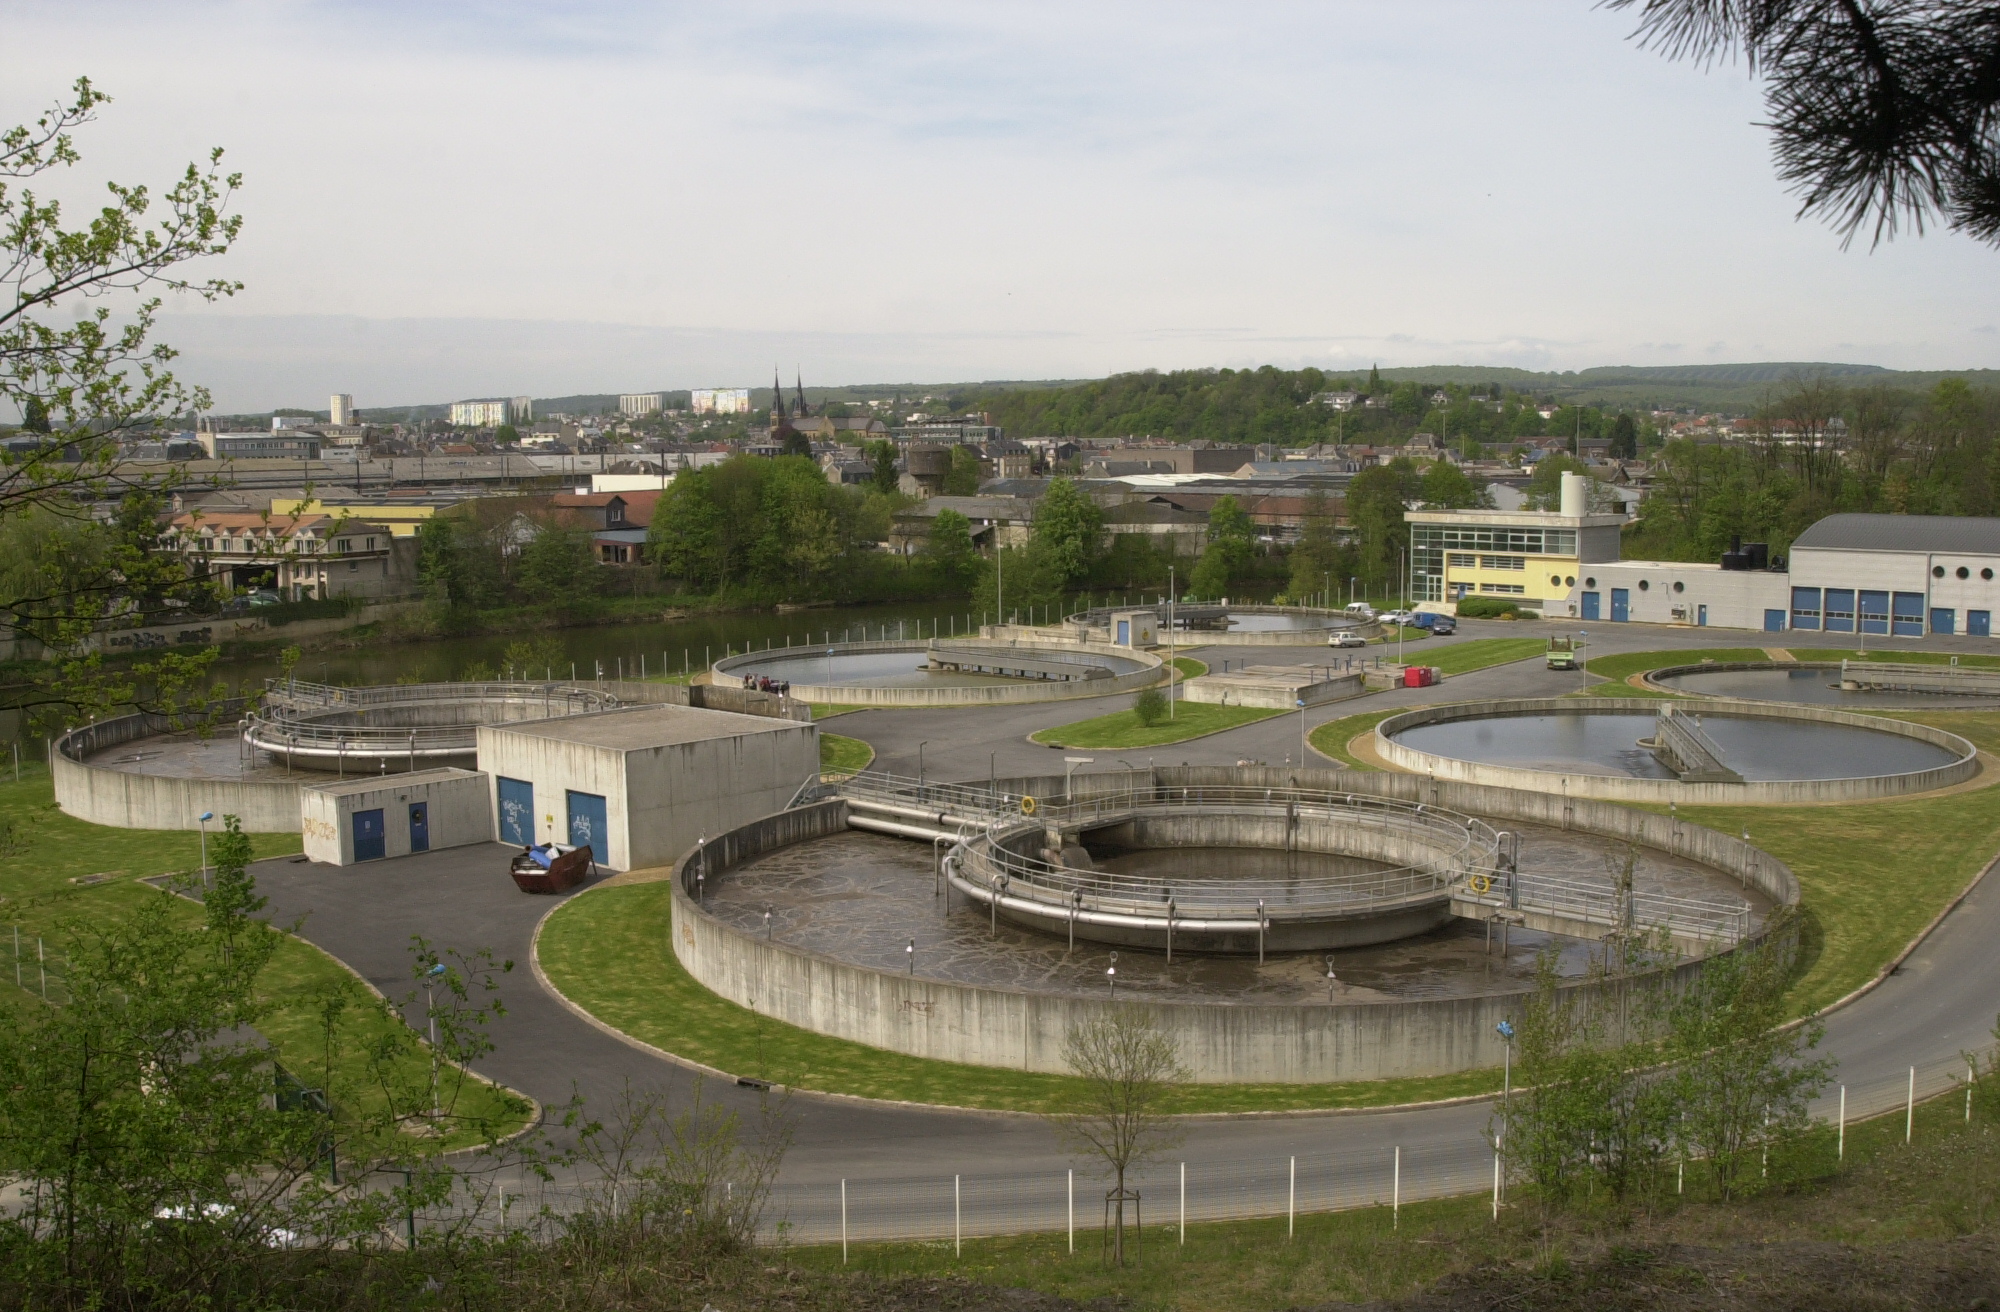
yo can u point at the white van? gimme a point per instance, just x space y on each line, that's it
1359 611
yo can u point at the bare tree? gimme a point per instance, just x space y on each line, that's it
1126 1069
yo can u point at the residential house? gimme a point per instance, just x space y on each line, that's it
302 556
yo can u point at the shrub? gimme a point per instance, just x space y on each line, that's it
1150 706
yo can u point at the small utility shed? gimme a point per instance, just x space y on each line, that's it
641 784
394 815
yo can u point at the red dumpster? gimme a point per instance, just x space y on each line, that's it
1413 676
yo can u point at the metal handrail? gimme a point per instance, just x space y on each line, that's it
336 696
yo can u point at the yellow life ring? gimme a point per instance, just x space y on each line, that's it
1481 883
1027 805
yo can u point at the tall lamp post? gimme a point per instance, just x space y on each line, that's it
1581 634
1302 733
1069 775
203 820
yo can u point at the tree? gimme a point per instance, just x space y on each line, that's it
1068 529
1447 487
1126 1070
457 563
1318 564
84 381
1150 706
949 551
881 458
1376 500
1624 437
1743 1080
1229 540
558 564
507 435
1883 111
962 479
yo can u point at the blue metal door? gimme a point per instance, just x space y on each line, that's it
1774 621
1907 615
1872 610
370 840
1840 610
1943 619
1590 606
1701 616
1124 633
517 811
420 826
587 827
1621 605
1979 623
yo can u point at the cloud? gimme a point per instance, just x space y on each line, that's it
684 190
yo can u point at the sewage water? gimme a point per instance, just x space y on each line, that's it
886 669
1759 750
1810 687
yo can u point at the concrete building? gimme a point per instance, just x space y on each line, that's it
491 412
1889 575
1532 557
358 820
642 785
276 445
642 403
720 400
340 409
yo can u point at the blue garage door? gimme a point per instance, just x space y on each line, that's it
1979 623
517 811
1943 619
369 840
1840 610
1908 615
1621 605
1805 608
587 824
1590 606
1872 609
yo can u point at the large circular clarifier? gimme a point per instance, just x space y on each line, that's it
870 669
1759 750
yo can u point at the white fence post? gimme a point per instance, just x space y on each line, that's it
1292 1200
1183 1236
1396 1196
843 1223
1910 1108
1072 1211
957 1229
1840 1144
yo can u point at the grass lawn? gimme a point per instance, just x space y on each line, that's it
609 952
1894 657
1189 667
827 710
38 895
1123 729
841 757
1622 667
1890 1211
1479 653
1333 736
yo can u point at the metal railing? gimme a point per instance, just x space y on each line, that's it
1602 902
335 697
1945 680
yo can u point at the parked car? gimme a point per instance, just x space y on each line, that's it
1443 626
1404 617
1346 638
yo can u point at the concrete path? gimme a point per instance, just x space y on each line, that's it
900 1160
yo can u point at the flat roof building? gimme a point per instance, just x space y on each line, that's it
642 785
1527 556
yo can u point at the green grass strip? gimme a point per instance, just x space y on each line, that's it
1123 728
1480 653
609 952
1333 736
1895 657
843 756
37 894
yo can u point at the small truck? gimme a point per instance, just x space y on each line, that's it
1562 653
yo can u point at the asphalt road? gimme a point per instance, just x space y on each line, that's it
900 1161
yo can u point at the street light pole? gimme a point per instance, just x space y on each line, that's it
206 816
1302 733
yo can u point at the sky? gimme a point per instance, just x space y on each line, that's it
447 200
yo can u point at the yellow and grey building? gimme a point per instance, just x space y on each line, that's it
1531 557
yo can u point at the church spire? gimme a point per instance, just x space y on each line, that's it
777 400
799 408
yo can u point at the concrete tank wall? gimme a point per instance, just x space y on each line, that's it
1222 1043
151 801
